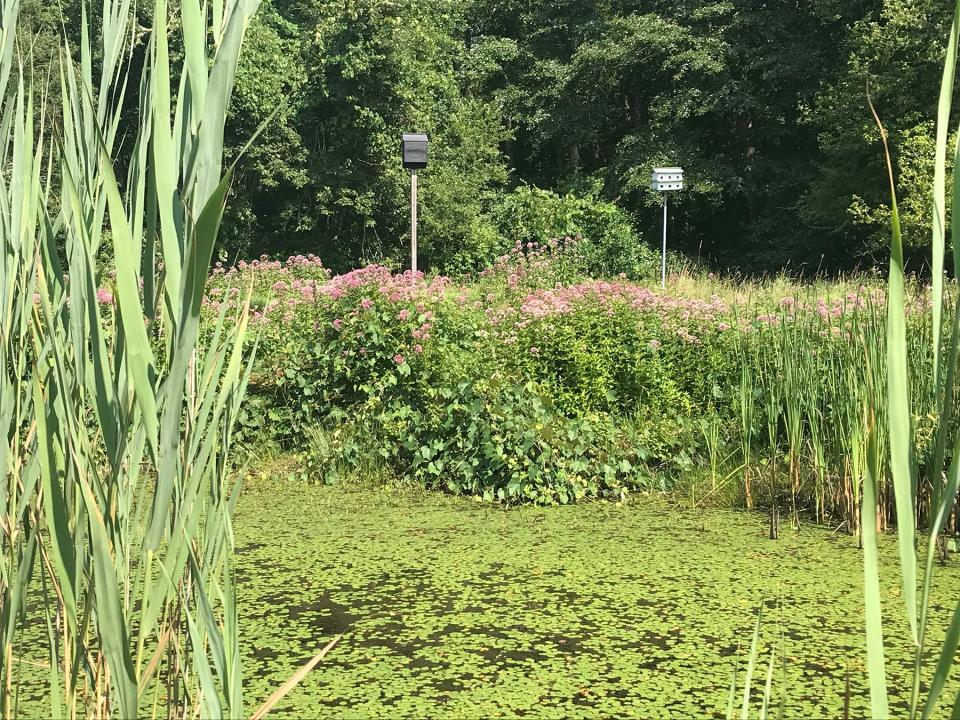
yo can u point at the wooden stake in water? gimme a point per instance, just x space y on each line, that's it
413 220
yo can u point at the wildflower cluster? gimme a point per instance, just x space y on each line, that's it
486 372
533 265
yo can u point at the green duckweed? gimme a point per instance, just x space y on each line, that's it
454 608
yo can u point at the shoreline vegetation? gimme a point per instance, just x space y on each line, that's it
515 384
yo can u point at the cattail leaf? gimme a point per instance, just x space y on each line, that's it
732 694
948 654
938 241
195 55
768 687
219 89
139 356
163 166
193 285
210 628
51 478
873 615
209 695
751 663
898 407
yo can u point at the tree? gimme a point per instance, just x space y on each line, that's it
763 104
718 87
897 48
356 75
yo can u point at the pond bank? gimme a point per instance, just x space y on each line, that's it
455 608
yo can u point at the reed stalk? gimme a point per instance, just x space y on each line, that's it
943 475
115 497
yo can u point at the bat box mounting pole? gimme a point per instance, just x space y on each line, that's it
414 158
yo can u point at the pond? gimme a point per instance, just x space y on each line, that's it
450 607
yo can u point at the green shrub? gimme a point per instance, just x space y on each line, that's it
535 384
504 390
486 391
602 357
505 440
609 246
363 336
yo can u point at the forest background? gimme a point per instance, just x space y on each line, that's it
546 118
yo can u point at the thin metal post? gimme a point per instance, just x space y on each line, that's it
413 220
663 258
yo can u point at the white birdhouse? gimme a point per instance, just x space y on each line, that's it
667 178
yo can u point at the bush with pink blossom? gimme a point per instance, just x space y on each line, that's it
529 383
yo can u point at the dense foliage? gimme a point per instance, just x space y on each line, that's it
764 105
116 491
552 375
534 383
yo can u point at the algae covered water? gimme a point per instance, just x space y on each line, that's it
454 608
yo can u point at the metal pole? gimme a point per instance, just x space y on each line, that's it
663 258
413 220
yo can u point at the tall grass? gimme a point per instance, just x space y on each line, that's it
744 696
116 506
805 371
942 476
859 401
805 367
